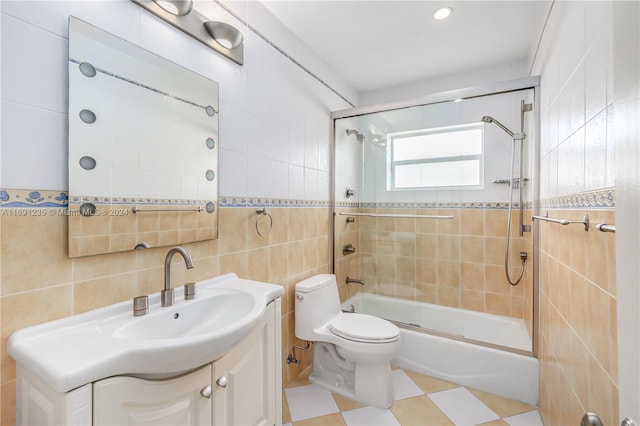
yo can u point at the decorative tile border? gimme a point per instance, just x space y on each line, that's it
269 202
29 198
433 205
604 199
77 200
25 198
347 204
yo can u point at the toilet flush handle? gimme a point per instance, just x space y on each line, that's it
299 296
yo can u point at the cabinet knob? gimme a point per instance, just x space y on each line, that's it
206 391
222 382
590 419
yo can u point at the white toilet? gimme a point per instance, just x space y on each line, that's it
351 352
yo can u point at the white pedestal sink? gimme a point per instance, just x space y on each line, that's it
110 341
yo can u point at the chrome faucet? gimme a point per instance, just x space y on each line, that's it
167 296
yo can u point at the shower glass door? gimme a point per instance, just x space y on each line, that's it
421 208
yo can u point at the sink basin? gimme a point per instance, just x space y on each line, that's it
216 312
168 341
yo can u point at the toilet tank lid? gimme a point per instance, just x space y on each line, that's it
315 283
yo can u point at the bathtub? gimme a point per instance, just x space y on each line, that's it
488 369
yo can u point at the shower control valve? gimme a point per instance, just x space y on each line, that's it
349 192
348 249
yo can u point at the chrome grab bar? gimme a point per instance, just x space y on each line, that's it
549 219
408 216
135 210
605 227
546 218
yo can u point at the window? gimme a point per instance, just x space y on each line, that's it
435 158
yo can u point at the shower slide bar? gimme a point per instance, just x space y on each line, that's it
408 216
546 218
605 227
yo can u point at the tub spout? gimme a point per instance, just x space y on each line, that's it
353 280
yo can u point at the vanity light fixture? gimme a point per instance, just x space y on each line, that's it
219 36
176 7
442 13
226 35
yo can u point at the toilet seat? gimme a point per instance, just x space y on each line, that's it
364 328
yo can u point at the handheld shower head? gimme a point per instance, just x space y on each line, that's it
489 119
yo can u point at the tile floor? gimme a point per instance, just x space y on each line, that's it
420 400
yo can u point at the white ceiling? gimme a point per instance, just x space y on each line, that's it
380 44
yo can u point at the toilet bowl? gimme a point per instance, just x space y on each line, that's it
351 352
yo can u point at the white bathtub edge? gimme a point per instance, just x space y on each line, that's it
499 372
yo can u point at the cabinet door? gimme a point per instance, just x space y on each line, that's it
244 379
132 401
38 404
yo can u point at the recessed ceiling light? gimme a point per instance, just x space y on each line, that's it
442 13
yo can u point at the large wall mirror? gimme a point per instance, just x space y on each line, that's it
143 147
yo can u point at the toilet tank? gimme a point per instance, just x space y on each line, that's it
317 302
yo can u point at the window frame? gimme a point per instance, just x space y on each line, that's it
391 163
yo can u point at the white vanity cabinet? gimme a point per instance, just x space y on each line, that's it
243 387
38 404
126 400
244 380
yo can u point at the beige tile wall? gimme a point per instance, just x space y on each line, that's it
115 228
578 342
2 408
346 266
578 325
457 262
39 283
530 291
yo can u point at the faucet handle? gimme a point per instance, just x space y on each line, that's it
140 306
189 291
167 297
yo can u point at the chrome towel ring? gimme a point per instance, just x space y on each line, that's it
262 212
